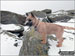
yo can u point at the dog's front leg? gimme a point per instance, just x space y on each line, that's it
43 38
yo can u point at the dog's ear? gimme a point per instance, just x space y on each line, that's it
26 14
32 14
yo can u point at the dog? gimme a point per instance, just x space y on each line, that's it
45 29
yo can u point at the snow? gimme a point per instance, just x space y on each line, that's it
9 27
8 48
68 45
72 20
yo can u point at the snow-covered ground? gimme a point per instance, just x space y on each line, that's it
8 48
68 44
7 41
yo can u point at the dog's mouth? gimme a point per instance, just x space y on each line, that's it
28 23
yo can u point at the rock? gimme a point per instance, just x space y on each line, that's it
67 53
71 12
51 37
47 16
11 18
39 14
60 18
16 44
11 32
47 11
32 45
18 32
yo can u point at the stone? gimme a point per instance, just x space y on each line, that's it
11 18
47 11
71 12
59 18
32 45
18 32
39 14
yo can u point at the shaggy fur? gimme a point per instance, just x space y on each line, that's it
45 28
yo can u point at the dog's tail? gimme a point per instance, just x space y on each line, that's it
69 28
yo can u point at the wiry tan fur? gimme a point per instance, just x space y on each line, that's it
45 28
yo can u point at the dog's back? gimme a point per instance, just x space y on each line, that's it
49 28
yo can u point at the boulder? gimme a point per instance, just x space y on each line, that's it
46 15
39 14
71 12
32 45
18 32
11 18
58 18
47 11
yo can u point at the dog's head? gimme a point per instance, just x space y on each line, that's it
30 19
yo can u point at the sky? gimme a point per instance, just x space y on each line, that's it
25 6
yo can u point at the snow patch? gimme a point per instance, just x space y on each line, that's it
9 27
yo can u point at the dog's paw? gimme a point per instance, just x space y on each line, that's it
59 45
43 42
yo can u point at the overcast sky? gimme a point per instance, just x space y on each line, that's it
25 6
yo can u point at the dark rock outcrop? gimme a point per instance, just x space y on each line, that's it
18 32
11 18
47 15
32 45
61 18
47 11
71 12
39 14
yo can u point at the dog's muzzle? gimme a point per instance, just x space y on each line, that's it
28 23
25 22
